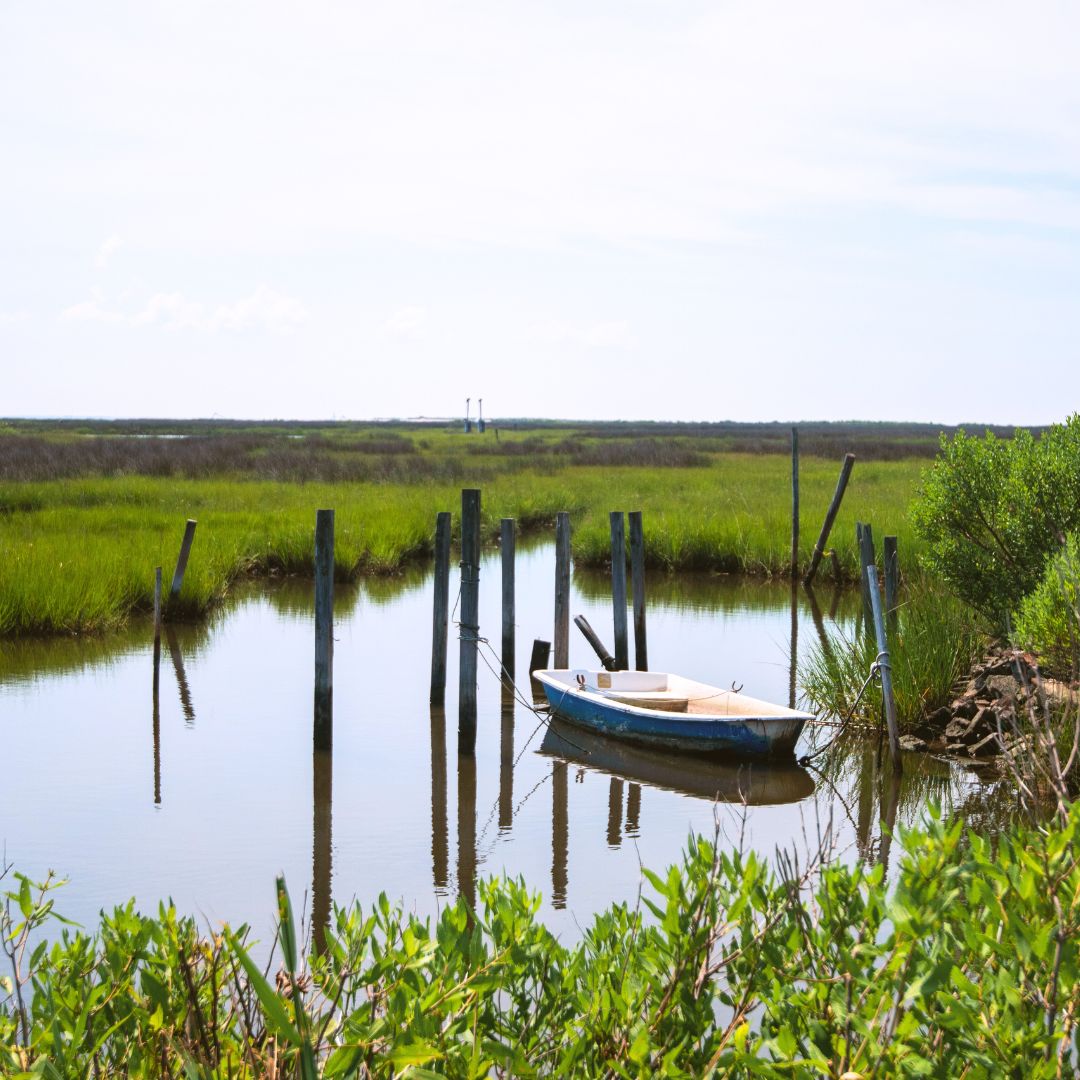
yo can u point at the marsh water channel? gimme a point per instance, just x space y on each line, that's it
208 797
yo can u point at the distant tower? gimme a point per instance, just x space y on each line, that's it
480 422
468 422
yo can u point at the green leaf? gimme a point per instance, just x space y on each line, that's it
277 1016
415 1053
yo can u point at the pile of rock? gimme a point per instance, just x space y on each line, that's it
981 721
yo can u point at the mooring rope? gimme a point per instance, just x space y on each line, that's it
881 662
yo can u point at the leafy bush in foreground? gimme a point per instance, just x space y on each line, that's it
993 510
968 966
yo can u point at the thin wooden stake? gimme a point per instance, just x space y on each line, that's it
182 559
562 590
637 581
830 517
618 588
507 544
867 557
441 608
794 503
891 559
469 628
324 630
870 575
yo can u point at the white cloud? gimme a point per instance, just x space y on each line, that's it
407 322
264 309
105 253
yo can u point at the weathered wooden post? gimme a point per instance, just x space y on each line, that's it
562 590
637 580
324 629
794 504
441 608
870 575
864 536
609 662
792 678
830 517
541 654
618 588
507 545
891 559
469 627
157 632
182 559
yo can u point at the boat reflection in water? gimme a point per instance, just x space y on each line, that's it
756 783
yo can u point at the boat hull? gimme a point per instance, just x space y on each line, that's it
772 736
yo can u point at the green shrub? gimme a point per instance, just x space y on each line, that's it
1048 618
967 966
992 510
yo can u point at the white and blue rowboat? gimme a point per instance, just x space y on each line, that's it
656 709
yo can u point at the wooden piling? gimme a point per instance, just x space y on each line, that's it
867 557
870 575
182 559
469 627
637 583
541 654
562 590
830 517
507 545
441 608
618 588
324 630
794 503
598 646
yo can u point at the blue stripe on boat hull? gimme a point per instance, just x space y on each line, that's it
744 737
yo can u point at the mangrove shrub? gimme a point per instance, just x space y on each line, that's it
1049 618
992 510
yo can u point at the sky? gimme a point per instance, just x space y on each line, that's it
639 210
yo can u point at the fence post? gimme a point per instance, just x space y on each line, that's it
830 517
182 559
507 544
562 589
469 628
870 576
794 503
637 579
618 588
441 608
864 535
324 630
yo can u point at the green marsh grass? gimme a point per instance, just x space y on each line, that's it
934 645
78 554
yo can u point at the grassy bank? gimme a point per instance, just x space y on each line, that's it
966 965
77 554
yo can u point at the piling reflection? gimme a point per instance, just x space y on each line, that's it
793 660
506 757
156 722
819 621
322 837
614 813
181 675
633 810
560 833
440 841
756 783
466 865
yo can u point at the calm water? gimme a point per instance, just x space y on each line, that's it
208 798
